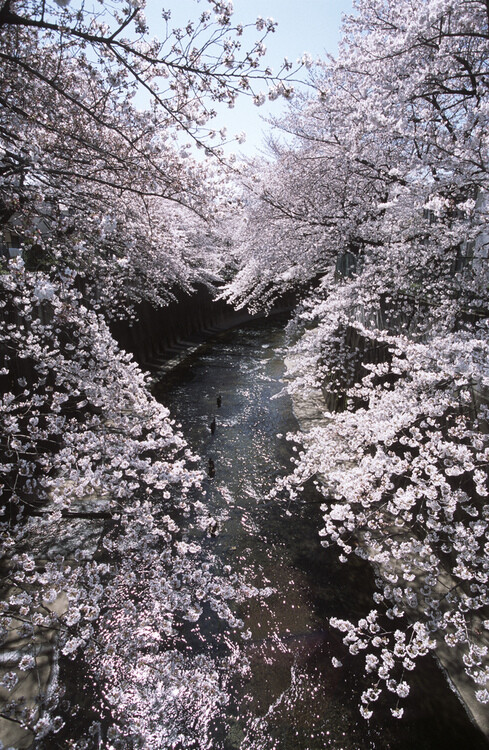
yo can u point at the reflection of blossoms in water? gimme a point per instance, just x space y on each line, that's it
168 698
157 692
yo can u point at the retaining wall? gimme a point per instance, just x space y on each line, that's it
156 330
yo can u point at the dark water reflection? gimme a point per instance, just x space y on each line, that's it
292 698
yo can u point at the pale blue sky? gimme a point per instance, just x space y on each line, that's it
308 26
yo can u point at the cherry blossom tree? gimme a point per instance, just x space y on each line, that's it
103 526
79 160
380 204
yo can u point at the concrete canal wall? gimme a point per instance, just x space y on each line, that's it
160 338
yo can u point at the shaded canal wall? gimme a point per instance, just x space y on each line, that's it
156 330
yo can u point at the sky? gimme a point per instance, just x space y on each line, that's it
311 26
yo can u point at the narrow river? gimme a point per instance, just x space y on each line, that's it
292 698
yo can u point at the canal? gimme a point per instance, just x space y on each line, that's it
289 696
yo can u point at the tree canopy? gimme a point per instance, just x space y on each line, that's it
374 209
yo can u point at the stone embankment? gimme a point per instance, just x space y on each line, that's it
310 409
161 338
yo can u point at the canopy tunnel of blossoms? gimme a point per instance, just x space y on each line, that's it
377 207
